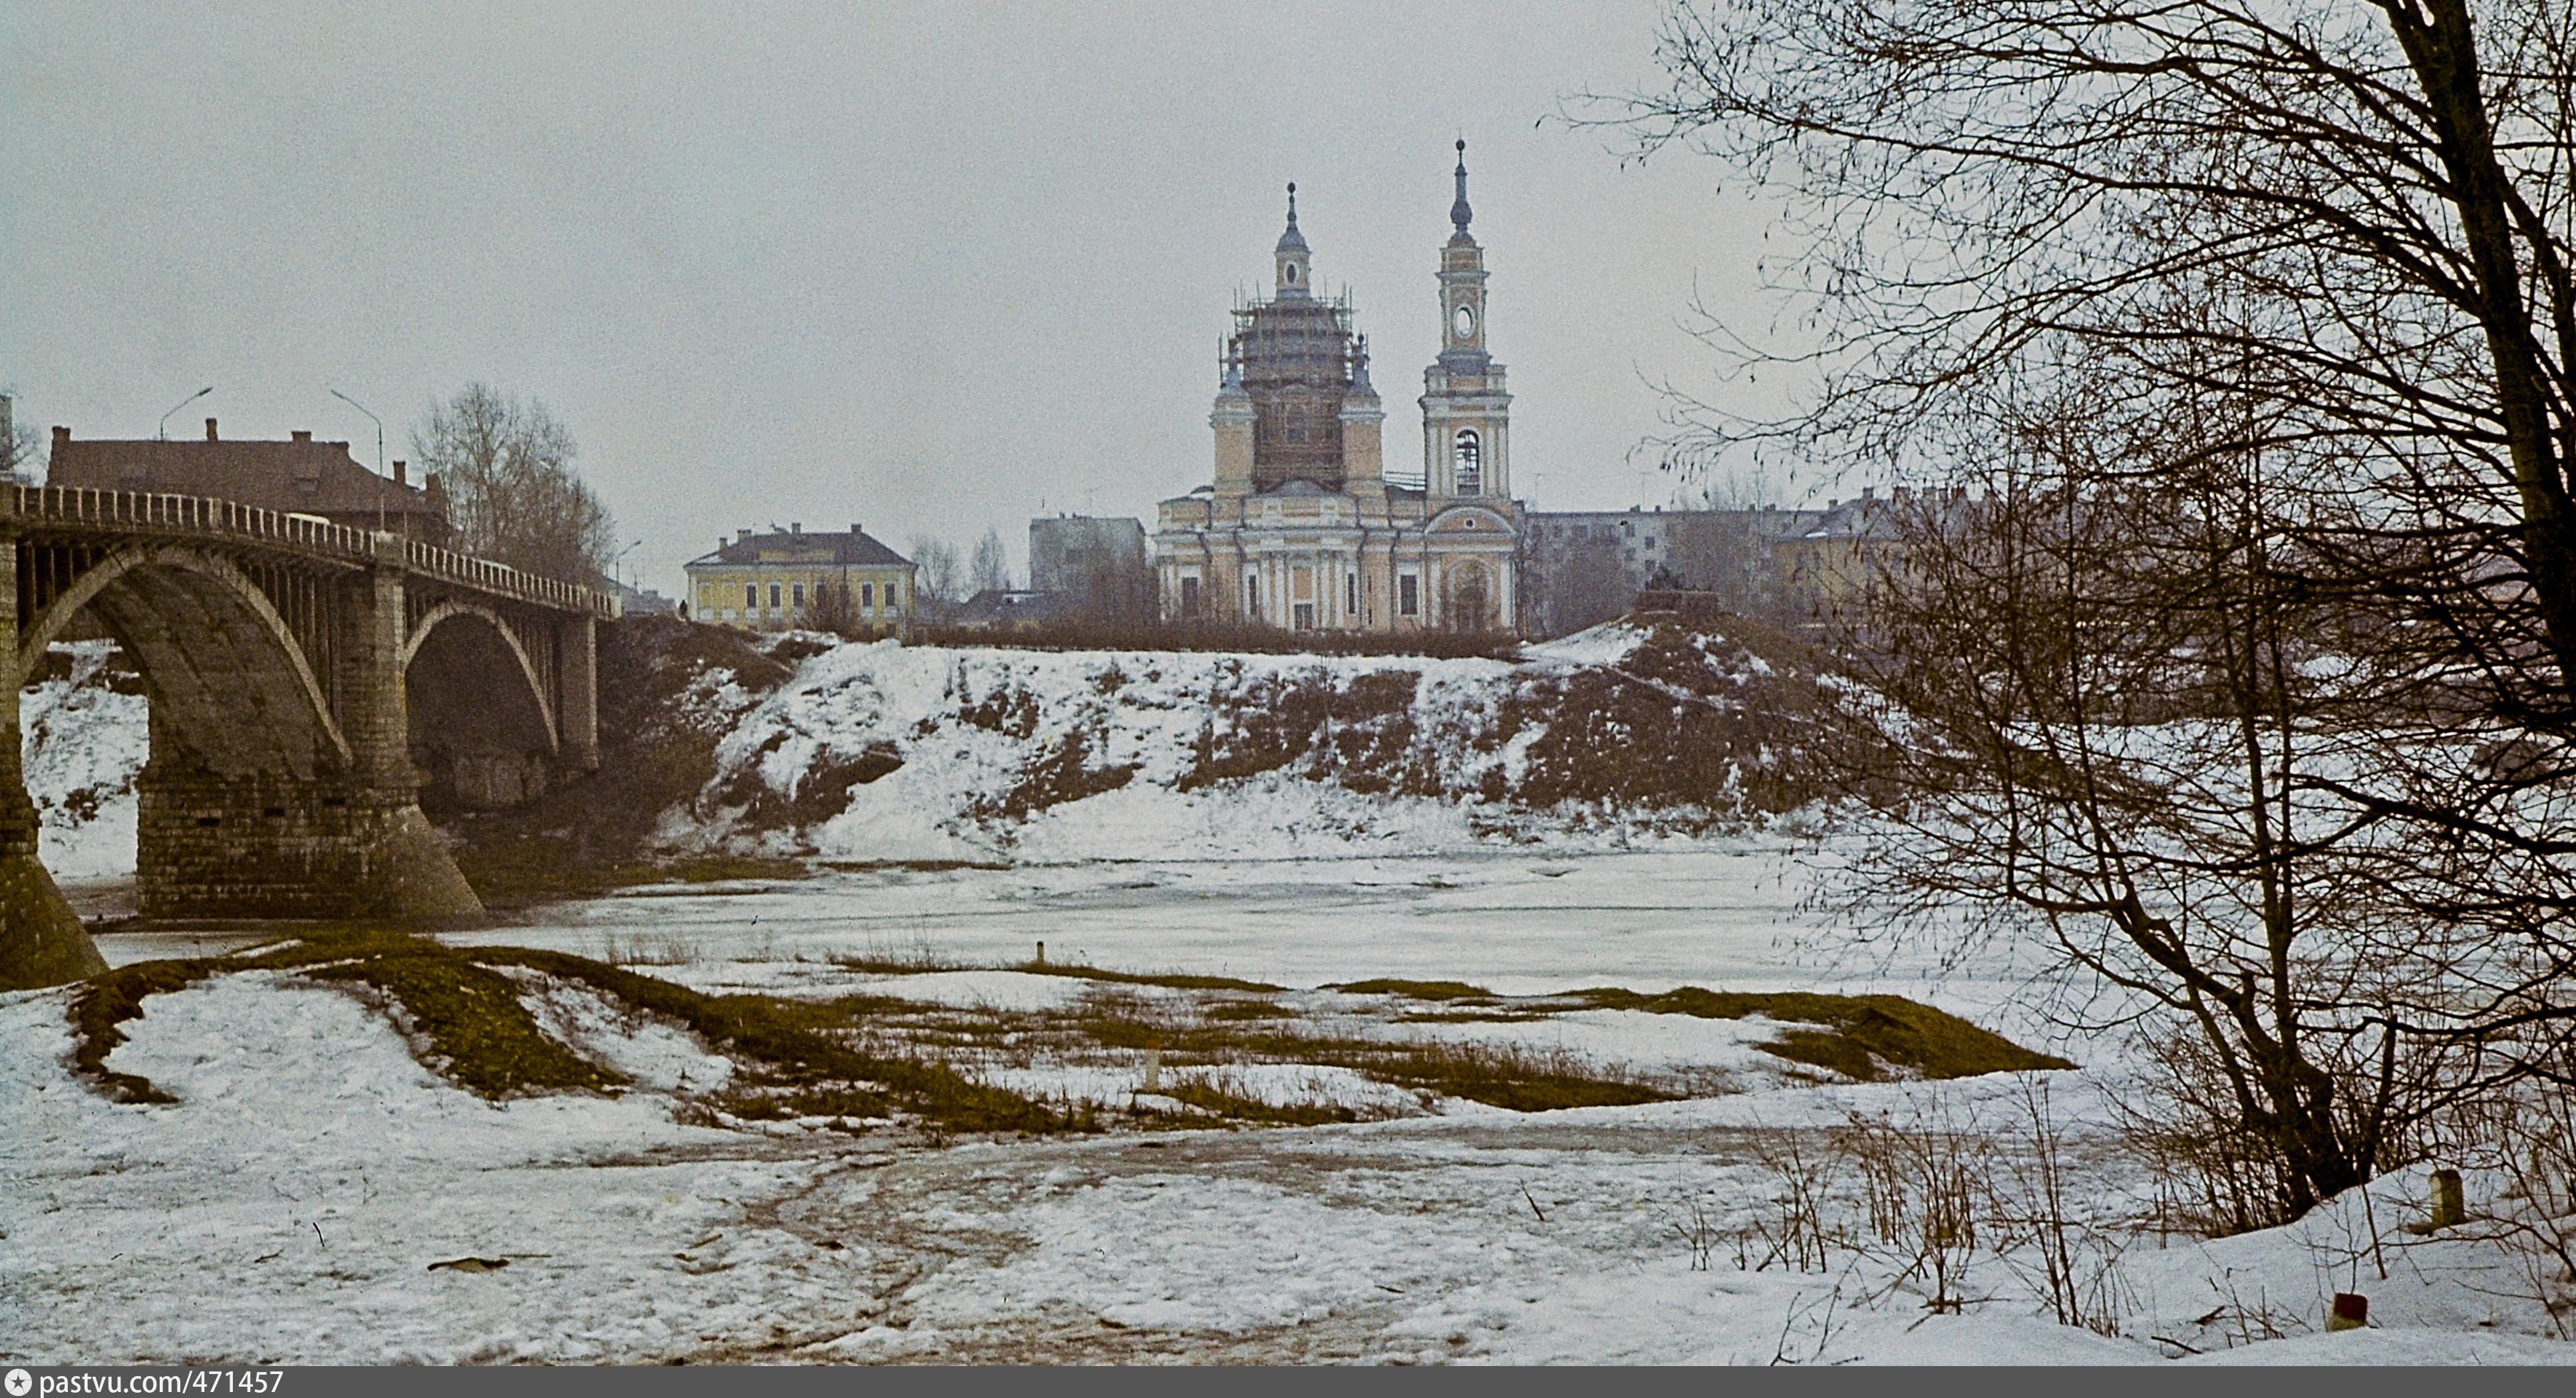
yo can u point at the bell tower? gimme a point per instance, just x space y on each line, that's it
1466 414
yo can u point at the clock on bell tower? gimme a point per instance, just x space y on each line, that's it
1466 415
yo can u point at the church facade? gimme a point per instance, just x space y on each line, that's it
1301 527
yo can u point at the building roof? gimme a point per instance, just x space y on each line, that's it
1889 517
1765 521
996 607
854 549
300 475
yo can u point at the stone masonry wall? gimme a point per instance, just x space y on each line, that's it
212 846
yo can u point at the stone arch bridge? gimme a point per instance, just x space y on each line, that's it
307 682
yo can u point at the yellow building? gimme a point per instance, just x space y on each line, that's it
779 582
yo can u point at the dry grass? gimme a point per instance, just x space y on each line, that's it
1857 1034
1220 1094
469 1024
871 1057
1164 980
1418 990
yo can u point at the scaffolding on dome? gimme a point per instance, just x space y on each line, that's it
1298 358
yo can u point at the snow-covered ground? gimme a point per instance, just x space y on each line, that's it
926 754
82 745
291 1205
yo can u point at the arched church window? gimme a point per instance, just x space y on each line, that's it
1467 457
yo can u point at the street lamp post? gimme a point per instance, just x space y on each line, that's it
380 449
162 432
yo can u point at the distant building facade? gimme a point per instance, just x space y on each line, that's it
296 476
1789 568
1102 569
785 581
1860 541
1301 527
1584 567
643 601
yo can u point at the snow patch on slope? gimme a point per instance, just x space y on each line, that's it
83 743
883 753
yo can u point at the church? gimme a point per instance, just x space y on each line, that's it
1303 526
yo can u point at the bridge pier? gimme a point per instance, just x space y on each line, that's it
42 941
335 844
209 845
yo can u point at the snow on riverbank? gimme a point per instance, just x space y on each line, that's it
885 752
84 737
290 1207
880 752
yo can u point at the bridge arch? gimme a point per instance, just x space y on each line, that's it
483 730
232 686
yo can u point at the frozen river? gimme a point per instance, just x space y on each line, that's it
1735 917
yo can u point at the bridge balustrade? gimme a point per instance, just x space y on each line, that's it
207 515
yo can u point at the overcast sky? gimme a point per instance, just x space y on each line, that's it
928 268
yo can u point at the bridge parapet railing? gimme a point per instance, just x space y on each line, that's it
206 515
506 580
187 514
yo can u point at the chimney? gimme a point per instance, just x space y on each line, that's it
398 474
61 435
854 529
299 436
742 536
1869 492
210 429
796 527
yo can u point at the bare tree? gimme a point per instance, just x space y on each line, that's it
2277 300
938 577
990 568
22 448
833 609
1998 187
2131 720
506 467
